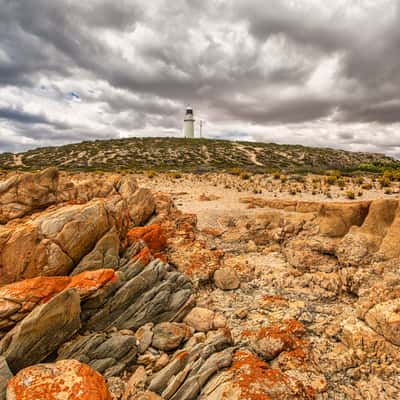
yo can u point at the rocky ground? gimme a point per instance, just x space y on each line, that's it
168 287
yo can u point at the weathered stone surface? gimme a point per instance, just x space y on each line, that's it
70 234
5 376
251 378
384 318
168 336
226 279
42 331
68 379
336 219
21 194
108 354
146 396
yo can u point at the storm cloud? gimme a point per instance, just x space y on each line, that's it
306 71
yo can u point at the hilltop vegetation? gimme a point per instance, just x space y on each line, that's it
163 154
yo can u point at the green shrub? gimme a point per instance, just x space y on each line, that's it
331 180
151 173
245 175
350 195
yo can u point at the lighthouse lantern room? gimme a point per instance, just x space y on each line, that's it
188 124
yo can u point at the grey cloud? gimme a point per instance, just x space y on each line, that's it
240 62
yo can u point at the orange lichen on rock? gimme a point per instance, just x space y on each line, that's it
144 256
20 298
250 375
152 235
212 232
36 290
257 381
67 379
89 282
278 301
273 340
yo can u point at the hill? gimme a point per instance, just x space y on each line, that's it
187 155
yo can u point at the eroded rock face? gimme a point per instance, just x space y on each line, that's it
18 299
68 379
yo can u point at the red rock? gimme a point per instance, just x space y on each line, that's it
67 379
152 235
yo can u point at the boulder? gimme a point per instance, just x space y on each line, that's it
54 242
226 279
270 341
42 331
68 379
168 336
200 319
141 206
21 194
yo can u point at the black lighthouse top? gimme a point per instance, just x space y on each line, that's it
189 110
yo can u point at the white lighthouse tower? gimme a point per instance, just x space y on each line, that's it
188 124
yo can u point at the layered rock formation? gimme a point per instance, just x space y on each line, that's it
66 236
121 297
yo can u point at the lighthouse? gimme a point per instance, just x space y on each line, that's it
188 124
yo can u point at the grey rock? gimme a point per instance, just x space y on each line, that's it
42 331
108 354
153 295
190 369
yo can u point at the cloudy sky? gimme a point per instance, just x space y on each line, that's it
313 72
